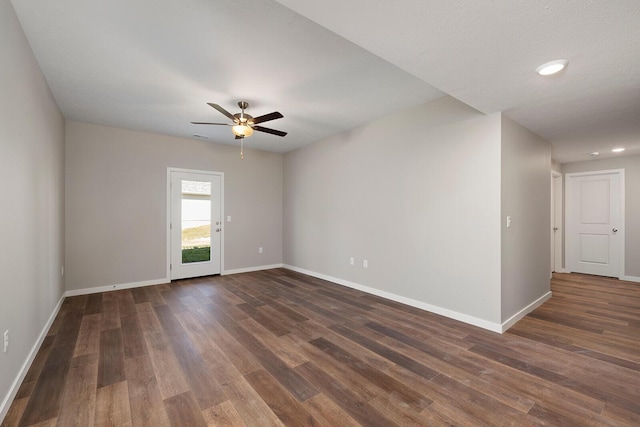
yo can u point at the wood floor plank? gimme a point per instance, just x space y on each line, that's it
285 406
171 382
387 383
243 360
147 319
328 413
93 305
223 415
15 412
343 397
44 402
218 363
277 347
79 398
112 406
202 383
144 393
132 337
35 370
296 385
400 359
89 335
111 362
110 313
281 348
182 410
253 410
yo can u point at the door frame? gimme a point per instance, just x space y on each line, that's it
557 220
569 212
168 213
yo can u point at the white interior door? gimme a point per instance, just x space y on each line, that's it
195 223
595 222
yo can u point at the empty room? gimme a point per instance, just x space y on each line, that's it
336 213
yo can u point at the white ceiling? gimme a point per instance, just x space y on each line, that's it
332 65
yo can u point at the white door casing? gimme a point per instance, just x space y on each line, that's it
595 222
557 229
194 198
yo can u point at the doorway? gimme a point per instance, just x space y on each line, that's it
557 229
195 212
595 222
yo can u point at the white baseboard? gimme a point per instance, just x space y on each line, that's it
251 269
631 279
15 386
471 320
528 309
98 289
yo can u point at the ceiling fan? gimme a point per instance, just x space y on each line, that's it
243 124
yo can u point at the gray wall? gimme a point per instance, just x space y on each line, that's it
526 198
417 194
631 166
116 185
32 194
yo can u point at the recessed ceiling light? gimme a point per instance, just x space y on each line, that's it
618 150
552 67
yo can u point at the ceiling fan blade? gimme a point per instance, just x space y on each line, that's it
207 123
267 117
271 131
223 111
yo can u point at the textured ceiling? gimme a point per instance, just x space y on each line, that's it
332 65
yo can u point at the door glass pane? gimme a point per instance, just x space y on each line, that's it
196 221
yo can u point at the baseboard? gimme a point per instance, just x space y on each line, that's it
631 279
13 390
251 269
465 318
98 289
528 309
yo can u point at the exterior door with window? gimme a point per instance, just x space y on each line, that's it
195 223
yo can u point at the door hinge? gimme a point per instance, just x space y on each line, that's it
170 266
170 226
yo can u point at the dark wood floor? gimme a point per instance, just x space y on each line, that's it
280 348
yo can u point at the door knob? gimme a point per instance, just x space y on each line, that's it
218 230
615 230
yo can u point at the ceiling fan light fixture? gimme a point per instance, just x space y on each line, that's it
552 67
242 130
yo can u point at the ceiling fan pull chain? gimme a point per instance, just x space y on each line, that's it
241 148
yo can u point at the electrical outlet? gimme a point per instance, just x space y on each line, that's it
365 264
5 341
260 250
352 261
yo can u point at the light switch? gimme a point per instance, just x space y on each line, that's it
228 218
508 221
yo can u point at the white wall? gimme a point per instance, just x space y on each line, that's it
116 184
417 194
631 166
32 193
526 198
